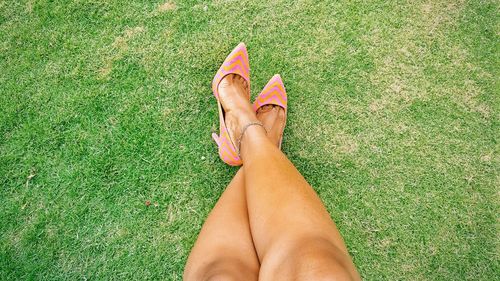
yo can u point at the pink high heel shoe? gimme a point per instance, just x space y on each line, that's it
273 93
235 63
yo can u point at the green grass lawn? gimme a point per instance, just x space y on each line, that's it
104 105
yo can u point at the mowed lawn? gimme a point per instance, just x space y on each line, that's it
105 105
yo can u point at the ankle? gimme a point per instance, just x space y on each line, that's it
244 119
252 135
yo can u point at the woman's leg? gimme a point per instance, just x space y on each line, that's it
224 249
292 231
293 234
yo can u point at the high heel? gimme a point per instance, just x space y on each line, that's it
235 63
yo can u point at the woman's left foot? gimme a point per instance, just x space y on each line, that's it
273 119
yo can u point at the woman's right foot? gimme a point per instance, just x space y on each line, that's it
233 95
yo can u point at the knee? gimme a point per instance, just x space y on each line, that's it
322 270
311 259
221 276
223 270
323 264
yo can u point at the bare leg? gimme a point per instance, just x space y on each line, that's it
293 234
224 249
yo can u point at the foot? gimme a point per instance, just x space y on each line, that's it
273 118
233 95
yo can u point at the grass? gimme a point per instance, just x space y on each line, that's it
394 120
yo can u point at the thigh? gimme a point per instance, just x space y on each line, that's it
224 247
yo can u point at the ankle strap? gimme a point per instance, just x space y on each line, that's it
244 130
